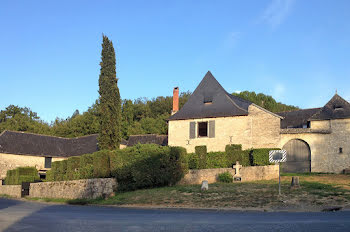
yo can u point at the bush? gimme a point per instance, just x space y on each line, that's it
201 152
86 170
260 157
101 166
225 177
62 170
217 160
73 164
233 147
192 160
147 166
21 174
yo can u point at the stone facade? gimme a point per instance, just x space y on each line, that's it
324 147
10 190
257 130
11 161
75 189
247 174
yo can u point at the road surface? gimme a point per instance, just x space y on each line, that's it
32 216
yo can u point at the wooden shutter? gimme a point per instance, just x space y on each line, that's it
212 129
192 130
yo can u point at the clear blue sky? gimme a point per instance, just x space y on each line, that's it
297 51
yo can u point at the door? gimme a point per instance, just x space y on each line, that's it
25 189
298 156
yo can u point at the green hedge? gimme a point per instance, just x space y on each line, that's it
201 152
260 157
86 167
73 165
21 174
148 165
101 164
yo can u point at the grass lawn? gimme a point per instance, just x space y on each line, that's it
316 191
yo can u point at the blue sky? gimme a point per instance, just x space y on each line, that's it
297 51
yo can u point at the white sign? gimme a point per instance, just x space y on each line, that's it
277 156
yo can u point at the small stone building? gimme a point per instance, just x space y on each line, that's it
20 149
316 140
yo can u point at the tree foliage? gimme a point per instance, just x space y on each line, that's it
141 116
110 103
265 101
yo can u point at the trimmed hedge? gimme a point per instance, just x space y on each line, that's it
86 169
201 152
148 165
101 164
73 165
21 174
260 157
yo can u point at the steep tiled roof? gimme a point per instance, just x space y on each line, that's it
210 100
145 139
336 108
297 118
49 146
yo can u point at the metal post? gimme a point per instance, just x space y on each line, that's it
279 178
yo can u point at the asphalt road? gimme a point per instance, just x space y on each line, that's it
32 216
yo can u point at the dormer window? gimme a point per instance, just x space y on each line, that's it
337 107
208 99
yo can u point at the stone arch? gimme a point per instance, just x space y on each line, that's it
298 156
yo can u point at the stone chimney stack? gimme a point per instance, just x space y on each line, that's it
175 100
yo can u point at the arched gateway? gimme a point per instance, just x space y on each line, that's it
298 156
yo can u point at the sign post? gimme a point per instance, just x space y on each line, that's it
278 156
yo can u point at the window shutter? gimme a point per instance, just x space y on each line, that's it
192 130
212 129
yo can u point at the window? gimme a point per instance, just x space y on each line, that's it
48 161
203 129
340 150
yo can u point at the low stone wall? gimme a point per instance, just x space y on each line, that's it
83 189
247 174
11 190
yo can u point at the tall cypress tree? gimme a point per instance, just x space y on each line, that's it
110 103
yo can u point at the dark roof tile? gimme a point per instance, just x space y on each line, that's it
22 143
210 100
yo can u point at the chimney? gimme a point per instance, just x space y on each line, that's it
175 100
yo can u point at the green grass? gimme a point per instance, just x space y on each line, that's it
305 174
220 195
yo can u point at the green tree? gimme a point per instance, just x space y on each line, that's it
110 103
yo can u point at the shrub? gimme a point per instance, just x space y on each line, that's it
62 170
260 157
86 170
21 174
101 164
193 161
225 177
217 160
233 147
73 164
201 152
234 153
148 165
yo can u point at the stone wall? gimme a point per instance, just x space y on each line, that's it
11 161
10 190
82 189
325 155
247 174
259 129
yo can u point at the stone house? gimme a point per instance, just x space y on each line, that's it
316 140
